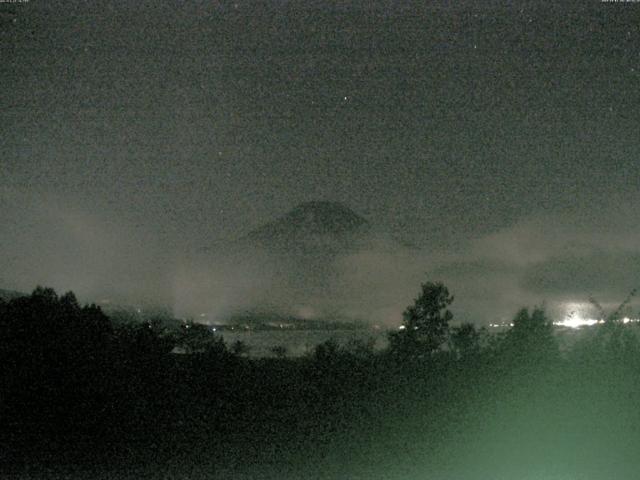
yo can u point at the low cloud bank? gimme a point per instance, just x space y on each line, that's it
539 260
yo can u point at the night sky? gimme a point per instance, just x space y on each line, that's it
502 140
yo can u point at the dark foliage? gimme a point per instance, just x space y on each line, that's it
531 340
80 393
426 323
466 341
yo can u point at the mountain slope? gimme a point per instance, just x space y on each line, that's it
311 228
320 260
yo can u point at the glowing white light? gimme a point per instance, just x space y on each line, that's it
576 317
576 321
500 325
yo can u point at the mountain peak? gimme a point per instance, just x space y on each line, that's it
311 225
328 216
322 205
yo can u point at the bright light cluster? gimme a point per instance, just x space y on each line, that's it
576 318
576 321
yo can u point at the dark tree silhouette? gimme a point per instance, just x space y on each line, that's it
279 351
53 362
465 341
326 352
425 323
531 338
199 338
240 348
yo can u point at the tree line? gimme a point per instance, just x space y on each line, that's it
73 381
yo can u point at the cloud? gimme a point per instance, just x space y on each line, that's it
606 274
552 259
539 260
52 241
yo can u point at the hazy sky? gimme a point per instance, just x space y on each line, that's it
503 139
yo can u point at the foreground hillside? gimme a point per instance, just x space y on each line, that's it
84 398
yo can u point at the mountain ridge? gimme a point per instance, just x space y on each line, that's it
315 226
